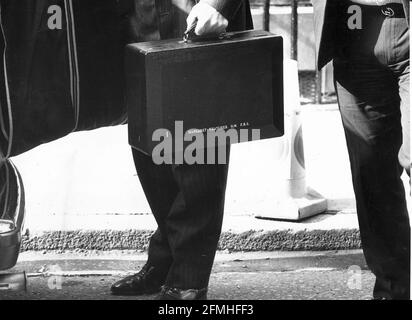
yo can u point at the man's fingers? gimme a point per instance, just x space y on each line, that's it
191 19
225 22
201 27
208 20
210 26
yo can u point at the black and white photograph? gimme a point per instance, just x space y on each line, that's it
233 152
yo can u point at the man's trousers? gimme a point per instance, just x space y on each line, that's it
372 83
187 202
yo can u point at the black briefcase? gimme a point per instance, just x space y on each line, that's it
231 83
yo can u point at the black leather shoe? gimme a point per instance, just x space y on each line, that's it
168 293
146 281
381 298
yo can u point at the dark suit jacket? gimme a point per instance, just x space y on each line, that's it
325 17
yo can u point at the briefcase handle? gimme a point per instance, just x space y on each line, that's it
190 35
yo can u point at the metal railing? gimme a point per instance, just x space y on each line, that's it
294 24
294 36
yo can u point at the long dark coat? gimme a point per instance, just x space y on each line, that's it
63 67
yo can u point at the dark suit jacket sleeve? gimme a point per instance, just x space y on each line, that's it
227 8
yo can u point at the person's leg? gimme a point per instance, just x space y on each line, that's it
194 223
370 107
161 191
188 204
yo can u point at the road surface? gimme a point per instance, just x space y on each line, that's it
254 276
